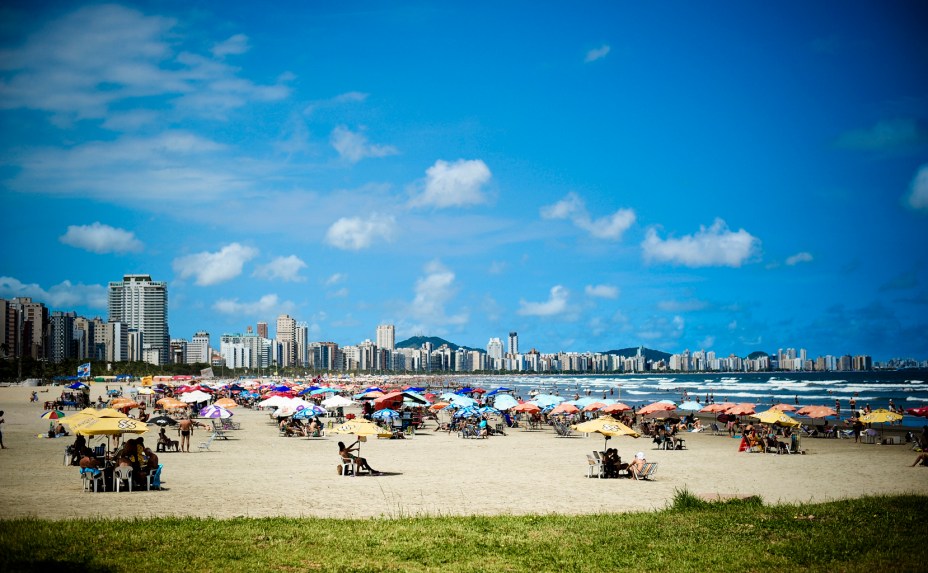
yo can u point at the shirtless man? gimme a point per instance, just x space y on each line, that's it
185 427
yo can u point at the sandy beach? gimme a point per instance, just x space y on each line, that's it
258 473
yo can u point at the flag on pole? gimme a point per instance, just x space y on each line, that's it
83 371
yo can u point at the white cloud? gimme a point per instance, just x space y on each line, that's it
556 304
99 238
433 293
707 342
572 207
712 246
457 184
597 53
337 101
335 279
802 257
65 295
286 269
602 291
355 233
267 305
235 45
498 267
60 68
354 147
918 195
211 268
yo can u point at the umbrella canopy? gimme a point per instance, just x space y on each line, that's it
774 416
112 427
544 400
593 406
163 421
661 414
607 426
880 416
615 408
123 403
784 407
386 414
504 402
817 411
226 403
53 415
921 412
743 409
360 427
463 400
195 396
565 408
717 408
528 408
656 407
691 406
215 411
309 412
337 402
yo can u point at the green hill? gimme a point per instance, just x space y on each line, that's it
649 354
418 341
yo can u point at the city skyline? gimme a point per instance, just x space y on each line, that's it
729 179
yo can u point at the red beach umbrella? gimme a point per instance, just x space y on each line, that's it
564 408
656 407
921 412
615 408
744 409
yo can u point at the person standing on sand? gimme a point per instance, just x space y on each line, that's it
1 431
185 427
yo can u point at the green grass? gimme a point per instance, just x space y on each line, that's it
868 534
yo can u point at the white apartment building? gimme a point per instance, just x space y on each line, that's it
386 336
142 304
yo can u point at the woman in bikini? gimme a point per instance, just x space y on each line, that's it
345 453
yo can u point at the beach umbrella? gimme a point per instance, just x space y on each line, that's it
816 412
360 428
880 416
921 412
215 411
145 391
527 407
372 395
504 402
488 410
337 402
716 408
163 421
743 409
463 401
660 414
78 386
783 407
656 407
564 408
615 408
544 400
438 406
226 403
386 415
53 415
112 427
123 403
691 406
593 406
774 416
607 426
306 413
195 396
273 402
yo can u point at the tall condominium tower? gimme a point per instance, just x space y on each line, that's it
142 304
262 330
286 338
386 337
513 348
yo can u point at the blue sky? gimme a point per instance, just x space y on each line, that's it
727 177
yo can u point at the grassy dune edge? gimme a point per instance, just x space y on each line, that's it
866 534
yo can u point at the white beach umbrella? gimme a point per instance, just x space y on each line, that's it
337 402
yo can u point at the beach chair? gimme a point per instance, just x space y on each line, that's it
348 467
205 445
718 430
562 430
122 474
647 472
595 466
92 479
153 479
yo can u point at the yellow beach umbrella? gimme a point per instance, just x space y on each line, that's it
360 427
880 416
775 416
607 426
112 427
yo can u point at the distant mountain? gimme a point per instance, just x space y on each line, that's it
649 354
418 341
757 354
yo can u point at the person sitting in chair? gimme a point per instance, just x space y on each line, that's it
637 466
345 453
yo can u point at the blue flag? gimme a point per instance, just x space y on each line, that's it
83 371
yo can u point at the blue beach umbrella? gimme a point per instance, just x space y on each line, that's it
386 414
504 402
690 406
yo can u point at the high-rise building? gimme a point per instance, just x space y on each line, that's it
386 336
179 351
142 304
117 342
61 345
198 350
262 330
9 321
286 340
302 345
32 326
513 347
85 336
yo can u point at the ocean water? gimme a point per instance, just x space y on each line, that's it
876 389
